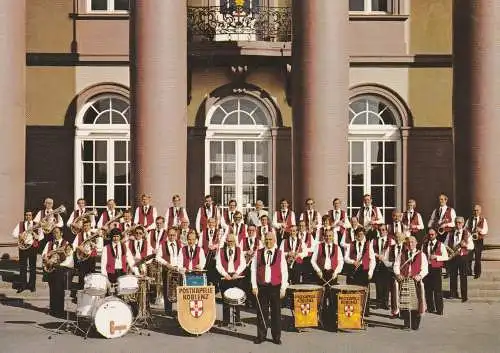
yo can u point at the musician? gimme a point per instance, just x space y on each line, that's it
126 225
308 245
321 231
86 263
436 255
108 214
350 233
264 228
443 218
253 217
327 262
228 214
477 225
460 241
158 235
338 216
238 227
412 220
249 246
116 259
392 253
80 211
397 223
382 276
59 278
311 216
369 216
210 241
294 252
269 283
192 257
167 255
412 264
360 254
184 230
48 204
139 246
230 264
175 213
283 220
145 214
27 258
208 210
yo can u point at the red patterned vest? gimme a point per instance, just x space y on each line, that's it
305 217
361 212
287 221
413 220
322 256
465 237
387 243
365 258
110 265
246 244
275 267
80 241
154 239
242 232
415 265
332 217
224 260
204 217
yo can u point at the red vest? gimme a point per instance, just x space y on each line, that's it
122 226
287 247
415 265
413 220
275 267
480 223
144 249
392 252
287 221
22 229
165 254
365 258
242 234
148 216
110 265
386 245
80 241
186 259
206 239
436 250
171 215
332 217
361 211
154 241
305 217
320 260
204 216
51 244
225 261
465 237
246 244
259 231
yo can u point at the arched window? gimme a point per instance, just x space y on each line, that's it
238 152
374 154
102 152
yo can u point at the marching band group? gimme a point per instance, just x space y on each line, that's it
261 254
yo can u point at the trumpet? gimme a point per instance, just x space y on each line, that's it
77 224
55 257
48 221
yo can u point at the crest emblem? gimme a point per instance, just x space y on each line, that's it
196 308
305 308
349 310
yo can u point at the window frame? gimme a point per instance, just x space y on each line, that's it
368 9
110 8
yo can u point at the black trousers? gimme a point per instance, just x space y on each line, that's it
213 275
308 274
113 277
476 254
269 298
27 260
84 268
382 278
411 319
360 278
225 285
294 273
58 283
458 266
329 304
434 290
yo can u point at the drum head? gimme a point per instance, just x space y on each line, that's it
112 317
234 293
304 287
348 288
85 303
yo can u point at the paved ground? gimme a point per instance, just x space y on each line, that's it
25 327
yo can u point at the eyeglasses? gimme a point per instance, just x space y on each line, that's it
310 203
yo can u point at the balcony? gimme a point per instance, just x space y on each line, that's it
238 23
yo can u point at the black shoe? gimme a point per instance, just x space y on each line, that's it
477 276
20 290
258 340
464 300
439 313
224 324
239 323
276 341
32 290
446 275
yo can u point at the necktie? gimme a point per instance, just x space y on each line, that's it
283 214
138 246
410 255
399 248
116 250
191 251
157 235
475 224
145 209
310 215
176 212
269 254
251 242
359 247
230 252
329 250
231 217
173 248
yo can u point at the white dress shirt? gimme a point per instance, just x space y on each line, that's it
438 214
230 253
424 267
268 259
16 232
58 219
68 262
359 246
472 222
180 258
172 249
117 249
328 251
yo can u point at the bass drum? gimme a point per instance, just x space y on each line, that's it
112 317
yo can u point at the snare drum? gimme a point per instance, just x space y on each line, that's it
96 284
234 296
350 302
85 303
127 284
195 279
112 317
306 304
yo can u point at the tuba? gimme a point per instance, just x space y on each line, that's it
28 237
55 257
48 222
77 224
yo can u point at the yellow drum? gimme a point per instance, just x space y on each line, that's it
350 301
306 299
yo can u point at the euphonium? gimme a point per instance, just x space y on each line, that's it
85 249
77 224
48 222
56 257
475 235
26 239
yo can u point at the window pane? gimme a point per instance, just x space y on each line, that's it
377 174
248 195
118 104
99 5
263 194
377 195
247 105
388 117
232 119
121 195
373 119
217 116
120 173
248 173
378 5
216 192
100 195
390 174
216 151
390 151
377 151
359 119
215 173
120 150
88 151
89 116
229 193
229 151
357 152
88 194
390 196
248 151
103 119
357 196
245 119
229 176
101 151
262 173
101 176
260 117
262 151
121 5
117 118
356 5
357 174
88 173
230 105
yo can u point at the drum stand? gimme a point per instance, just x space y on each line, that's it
232 318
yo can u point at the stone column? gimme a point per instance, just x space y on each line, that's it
476 103
12 118
320 74
158 64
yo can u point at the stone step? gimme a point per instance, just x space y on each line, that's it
489 300
483 284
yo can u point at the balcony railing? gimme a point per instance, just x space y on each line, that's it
261 23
